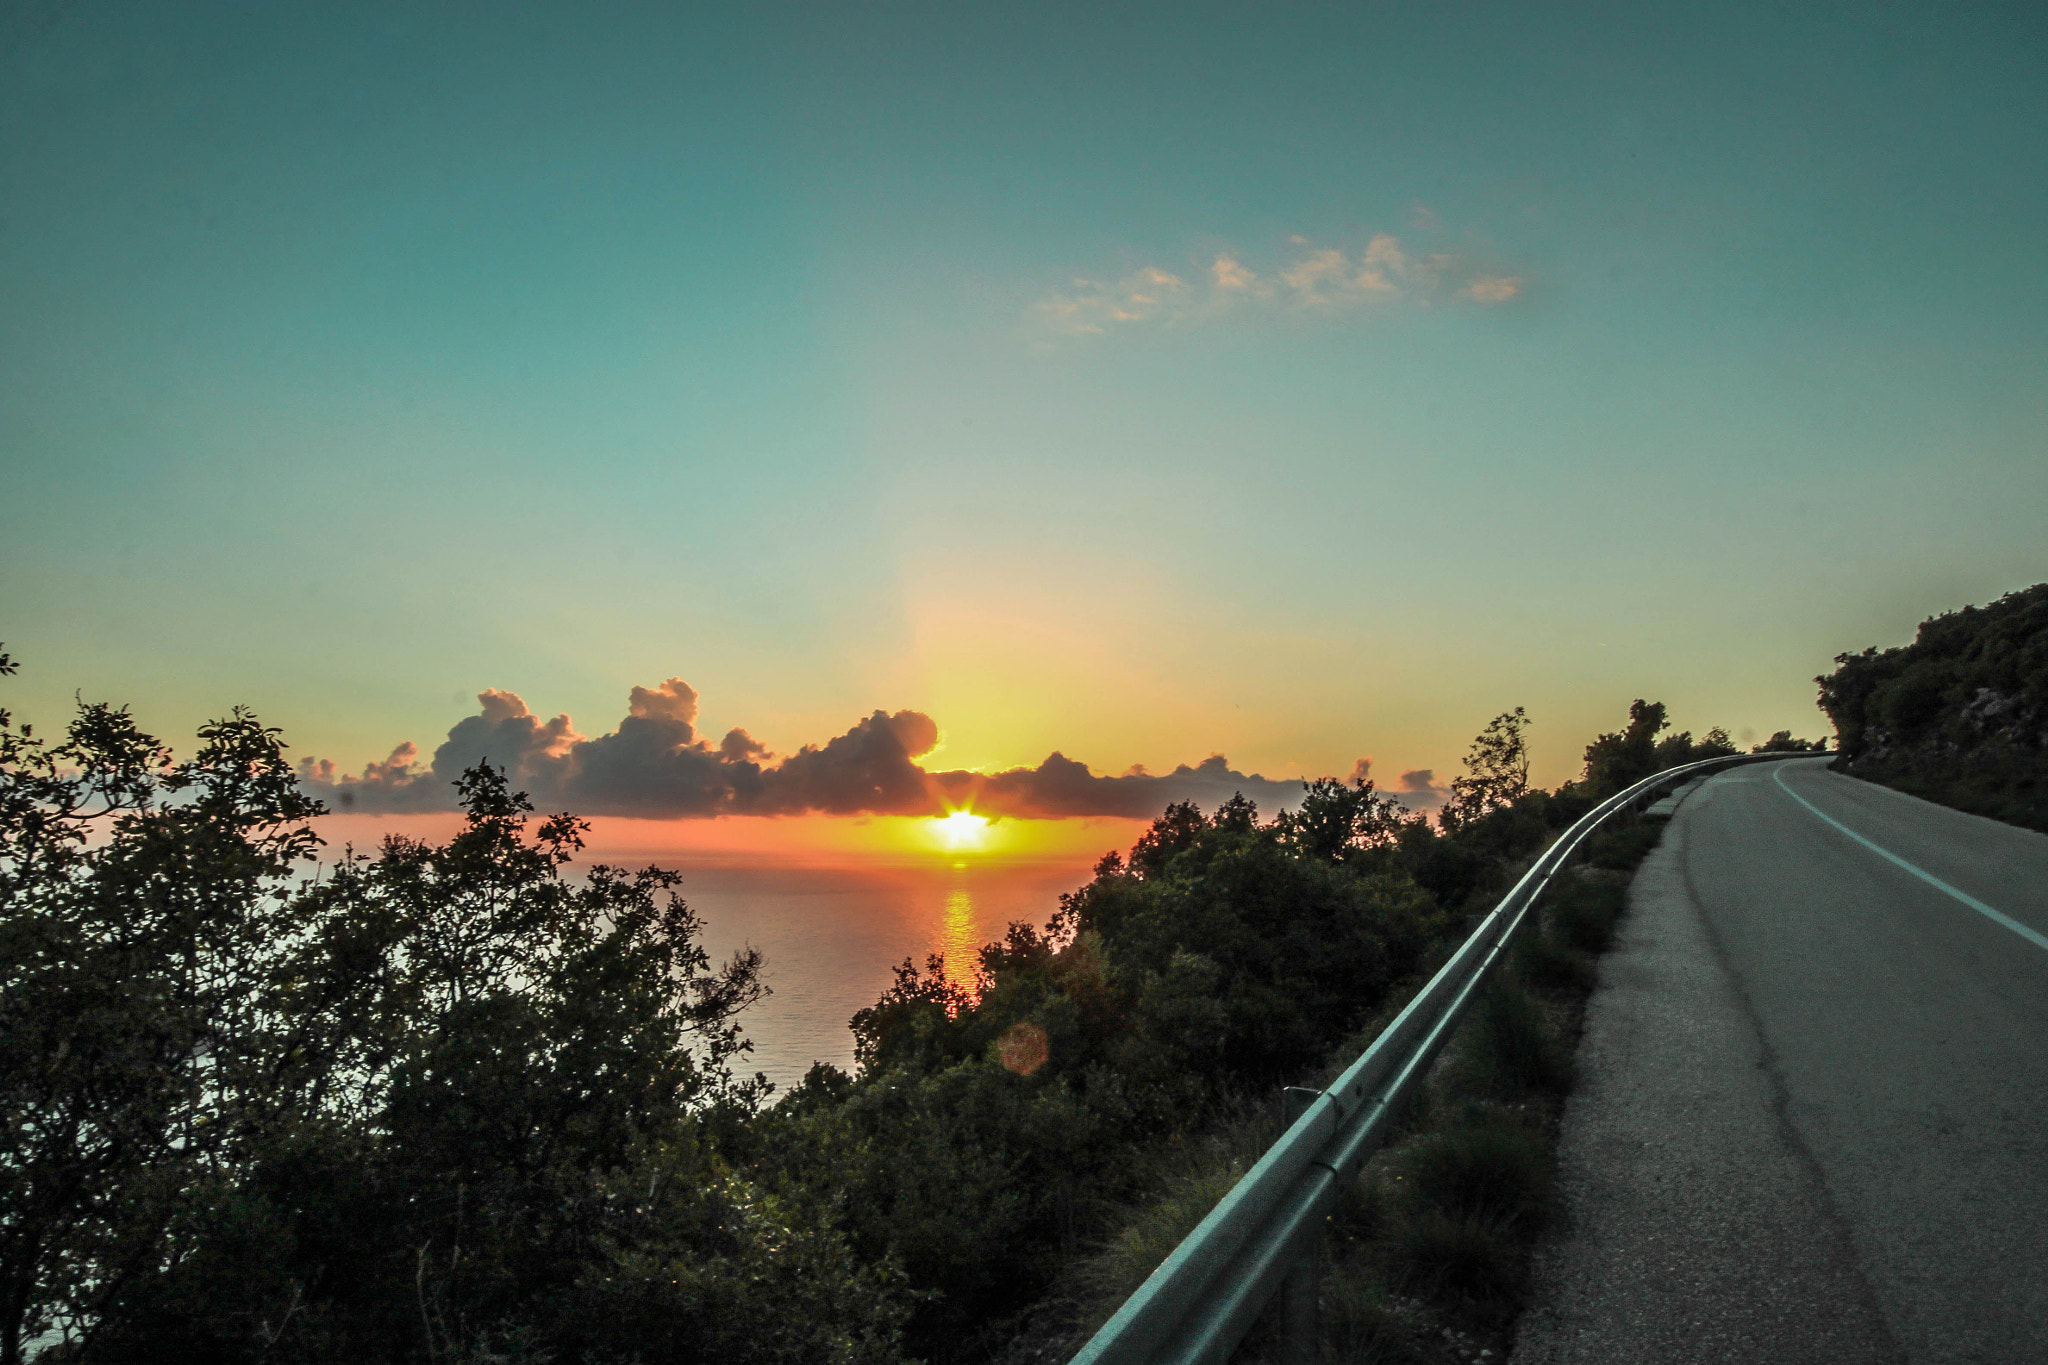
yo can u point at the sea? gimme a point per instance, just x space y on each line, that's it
830 907
831 938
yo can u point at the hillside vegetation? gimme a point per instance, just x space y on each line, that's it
443 1103
1959 716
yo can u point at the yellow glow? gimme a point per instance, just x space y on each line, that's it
808 840
960 940
963 830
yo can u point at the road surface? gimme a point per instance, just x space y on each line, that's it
1812 1121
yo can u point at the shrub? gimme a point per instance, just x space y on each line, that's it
1488 1165
1471 1257
1511 1044
1960 715
1584 905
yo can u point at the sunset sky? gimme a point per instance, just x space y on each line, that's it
1140 383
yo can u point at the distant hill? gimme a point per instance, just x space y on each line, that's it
1959 716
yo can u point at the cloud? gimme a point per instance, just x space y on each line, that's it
871 769
1229 274
674 700
1325 280
1419 791
534 753
1091 308
656 765
396 784
1061 786
1384 252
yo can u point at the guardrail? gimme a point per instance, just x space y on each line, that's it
1266 1233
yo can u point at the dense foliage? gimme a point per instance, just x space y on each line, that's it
1960 715
439 1104
444 1102
988 1135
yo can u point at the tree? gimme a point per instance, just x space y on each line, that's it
443 1102
1341 823
1496 771
1175 831
1783 742
1618 761
515 1141
141 1048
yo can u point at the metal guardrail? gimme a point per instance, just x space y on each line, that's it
1266 1233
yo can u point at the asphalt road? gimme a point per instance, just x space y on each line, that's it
1812 1119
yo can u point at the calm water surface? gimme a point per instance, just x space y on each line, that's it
832 936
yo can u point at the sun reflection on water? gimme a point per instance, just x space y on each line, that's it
959 938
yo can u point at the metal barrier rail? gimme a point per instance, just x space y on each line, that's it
1267 1231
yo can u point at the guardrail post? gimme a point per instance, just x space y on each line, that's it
1300 1321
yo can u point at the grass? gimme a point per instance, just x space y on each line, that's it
1512 1045
1489 1165
1190 1178
1187 1176
1363 1322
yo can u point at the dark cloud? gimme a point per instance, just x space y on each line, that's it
1060 786
653 764
656 765
399 783
533 752
738 745
871 769
1419 791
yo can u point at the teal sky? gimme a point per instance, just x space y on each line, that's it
354 359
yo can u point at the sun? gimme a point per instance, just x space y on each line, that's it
962 829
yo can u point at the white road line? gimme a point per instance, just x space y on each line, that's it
2039 941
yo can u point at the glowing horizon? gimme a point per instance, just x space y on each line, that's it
816 841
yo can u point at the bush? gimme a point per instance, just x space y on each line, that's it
1585 904
1226 954
1548 961
1473 1258
1487 1166
1622 842
1511 1044
1958 716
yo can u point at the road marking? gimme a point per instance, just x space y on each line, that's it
2038 940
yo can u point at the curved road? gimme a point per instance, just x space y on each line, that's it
1812 1122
